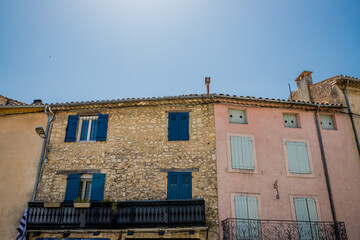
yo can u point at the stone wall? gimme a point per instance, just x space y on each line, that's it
136 148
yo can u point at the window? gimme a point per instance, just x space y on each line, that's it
306 215
297 155
178 126
327 122
290 121
85 186
237 116
246 213
86 129
241 153
179 185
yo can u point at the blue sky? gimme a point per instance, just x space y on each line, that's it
68 50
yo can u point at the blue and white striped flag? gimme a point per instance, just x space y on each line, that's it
22 227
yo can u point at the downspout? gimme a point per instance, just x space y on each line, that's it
50 119
327 178
351 116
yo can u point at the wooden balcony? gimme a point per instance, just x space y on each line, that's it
122 215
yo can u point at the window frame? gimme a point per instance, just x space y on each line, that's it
84 178
244 194
298 125
245 113
229 156
292 204
79 127
332 119
286 158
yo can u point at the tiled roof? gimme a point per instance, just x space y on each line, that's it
9 101
192 96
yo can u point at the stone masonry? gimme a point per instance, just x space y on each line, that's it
135 151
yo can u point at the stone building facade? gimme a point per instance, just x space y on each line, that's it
136 158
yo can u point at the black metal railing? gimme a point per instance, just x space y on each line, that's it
122 215
255 229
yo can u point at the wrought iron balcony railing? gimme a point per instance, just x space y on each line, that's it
122 215
255 229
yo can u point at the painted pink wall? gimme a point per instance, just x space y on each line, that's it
266 125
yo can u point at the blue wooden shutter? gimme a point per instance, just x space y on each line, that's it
178 126
241 153
102 127
173 185
298 157
184 126
97 187
185 191
72 187
71 128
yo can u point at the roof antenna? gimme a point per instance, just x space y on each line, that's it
290 92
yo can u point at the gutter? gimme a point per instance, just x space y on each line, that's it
351 116
46 140
327 178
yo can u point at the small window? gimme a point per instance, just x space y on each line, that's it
237 116
178 128
327 122
241 153
290 121
86 129
85 187
298 157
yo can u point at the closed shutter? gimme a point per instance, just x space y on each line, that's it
173 185
305 210
178 126
290 121
237 116
241 209
179 185
102 125
185 187
327 122
298 157
72 187
301 209
246 208
71 128
97 187
241 153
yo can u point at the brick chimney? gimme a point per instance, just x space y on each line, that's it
303 81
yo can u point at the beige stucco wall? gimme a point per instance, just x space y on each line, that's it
20 149
137 147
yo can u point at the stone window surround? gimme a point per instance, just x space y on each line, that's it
232 203
229 160
288 173
292 204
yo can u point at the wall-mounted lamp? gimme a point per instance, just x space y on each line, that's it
36 234
191 231
66 234
39 130
161 232
97 233
276 186
130 233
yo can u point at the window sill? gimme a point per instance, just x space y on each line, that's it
300 175
246 171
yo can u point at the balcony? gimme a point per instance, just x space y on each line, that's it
252 229
122 215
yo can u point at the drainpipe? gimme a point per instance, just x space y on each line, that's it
50 119
351 116
327 178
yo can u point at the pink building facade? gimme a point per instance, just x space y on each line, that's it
269 166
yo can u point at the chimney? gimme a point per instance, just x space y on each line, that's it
37 102
303 81
207 82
